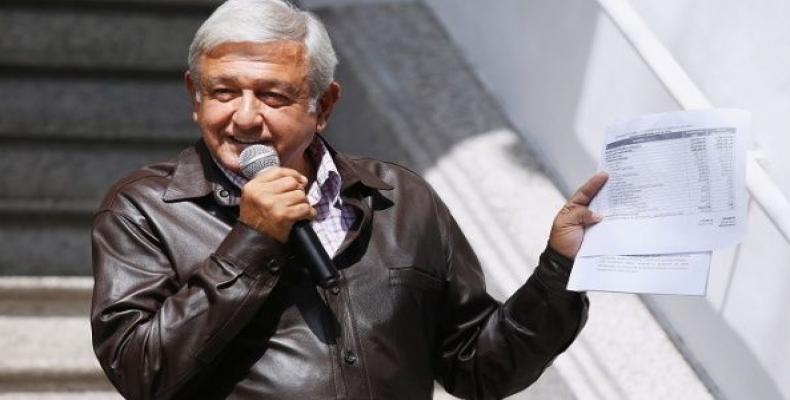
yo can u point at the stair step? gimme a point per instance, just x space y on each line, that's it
42 375
108 110
43 236
155 5
109 37
72 171
58 395
47 208
45 295
45 339
45 248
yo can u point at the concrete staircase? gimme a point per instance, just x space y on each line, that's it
92 90
45 340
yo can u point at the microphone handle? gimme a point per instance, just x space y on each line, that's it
320 265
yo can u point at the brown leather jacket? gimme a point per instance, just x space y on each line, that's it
190 303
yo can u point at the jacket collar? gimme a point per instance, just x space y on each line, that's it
353 172
195 175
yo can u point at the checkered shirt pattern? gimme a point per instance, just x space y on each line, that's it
333 218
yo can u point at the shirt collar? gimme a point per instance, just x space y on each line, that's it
353 171
237 180
327 178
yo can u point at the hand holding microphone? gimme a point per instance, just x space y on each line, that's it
274 202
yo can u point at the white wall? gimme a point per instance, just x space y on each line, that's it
562 71
738 52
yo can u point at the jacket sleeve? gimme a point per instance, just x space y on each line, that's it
490 350
151 333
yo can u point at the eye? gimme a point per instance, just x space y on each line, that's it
274 99
223 94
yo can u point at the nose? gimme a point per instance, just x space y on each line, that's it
248 116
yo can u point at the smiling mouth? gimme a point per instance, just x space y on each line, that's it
245 142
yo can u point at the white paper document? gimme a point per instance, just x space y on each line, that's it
676 191
685 273
676 184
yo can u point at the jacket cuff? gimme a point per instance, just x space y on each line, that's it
252 251
547 285
554 270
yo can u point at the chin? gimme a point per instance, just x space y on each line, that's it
232 164
229 158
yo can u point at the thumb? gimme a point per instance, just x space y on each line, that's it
574 214
588 217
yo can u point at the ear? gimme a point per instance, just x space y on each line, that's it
326 104
194 96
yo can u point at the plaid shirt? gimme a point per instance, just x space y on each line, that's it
333 218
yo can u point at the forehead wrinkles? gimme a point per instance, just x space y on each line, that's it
281 52
289 54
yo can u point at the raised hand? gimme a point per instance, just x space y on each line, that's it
567 231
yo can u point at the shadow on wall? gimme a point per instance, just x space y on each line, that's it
408 90
408 95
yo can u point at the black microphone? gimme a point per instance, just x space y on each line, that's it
254 160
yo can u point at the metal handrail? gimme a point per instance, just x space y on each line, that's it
675 79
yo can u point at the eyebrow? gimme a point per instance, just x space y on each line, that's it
266 82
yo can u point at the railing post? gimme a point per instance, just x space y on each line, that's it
675 79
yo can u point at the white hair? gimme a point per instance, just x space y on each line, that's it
268 21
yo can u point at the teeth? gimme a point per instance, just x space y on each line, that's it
243 142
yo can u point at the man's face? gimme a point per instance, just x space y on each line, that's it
253 93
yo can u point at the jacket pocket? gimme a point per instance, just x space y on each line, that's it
414 278
414 305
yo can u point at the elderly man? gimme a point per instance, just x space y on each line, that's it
199 294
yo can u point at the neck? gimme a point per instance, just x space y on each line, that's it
308 169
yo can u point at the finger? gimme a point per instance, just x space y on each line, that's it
586 192
289 209
291 198
273 173
300 212
574 214
282 184
588 217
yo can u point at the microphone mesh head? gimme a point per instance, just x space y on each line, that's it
256 158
